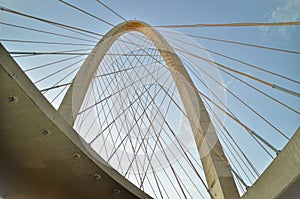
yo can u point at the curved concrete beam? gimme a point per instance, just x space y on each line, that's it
215 164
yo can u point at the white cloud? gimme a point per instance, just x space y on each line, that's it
290 11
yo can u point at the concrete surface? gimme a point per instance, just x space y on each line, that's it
37 164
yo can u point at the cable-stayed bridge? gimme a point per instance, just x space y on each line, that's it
145 112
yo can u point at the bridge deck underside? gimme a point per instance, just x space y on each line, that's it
282 178
33 165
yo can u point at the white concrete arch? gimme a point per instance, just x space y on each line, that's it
218 175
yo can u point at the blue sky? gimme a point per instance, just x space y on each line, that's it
157 12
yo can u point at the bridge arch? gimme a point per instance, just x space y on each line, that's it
218 175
